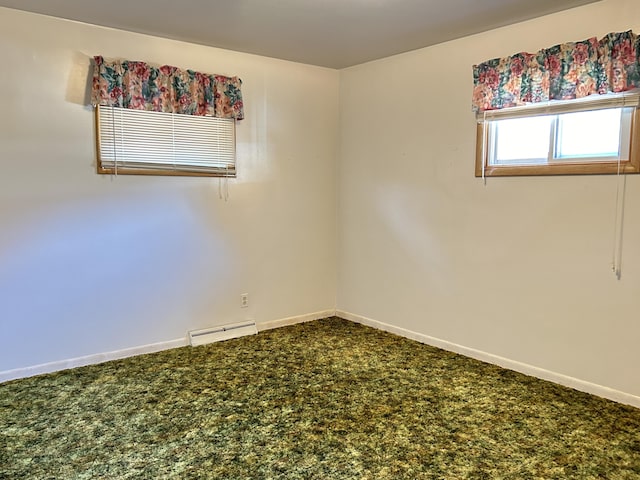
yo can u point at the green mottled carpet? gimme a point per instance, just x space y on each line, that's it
325 400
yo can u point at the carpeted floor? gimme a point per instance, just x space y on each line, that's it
324 400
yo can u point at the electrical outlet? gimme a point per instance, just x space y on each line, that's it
244 300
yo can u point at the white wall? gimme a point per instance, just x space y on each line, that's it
91 263
519 268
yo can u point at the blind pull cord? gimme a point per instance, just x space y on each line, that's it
226 183
223 188
485 139
115 148
173 141
621 180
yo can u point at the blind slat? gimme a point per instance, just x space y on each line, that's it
594 102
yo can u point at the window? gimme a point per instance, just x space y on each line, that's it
140 142
597 135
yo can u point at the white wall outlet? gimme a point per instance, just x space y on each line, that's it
244 300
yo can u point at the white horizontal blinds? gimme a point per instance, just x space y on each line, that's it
142 140
593 102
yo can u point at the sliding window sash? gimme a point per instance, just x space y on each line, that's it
629 164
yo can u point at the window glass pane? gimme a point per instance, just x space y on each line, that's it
521 140
589 134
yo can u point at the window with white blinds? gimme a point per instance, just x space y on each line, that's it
157 143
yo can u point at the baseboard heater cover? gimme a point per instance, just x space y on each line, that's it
223 332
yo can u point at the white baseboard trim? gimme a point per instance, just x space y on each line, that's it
309 317
131 352
567 381
89 360
582 385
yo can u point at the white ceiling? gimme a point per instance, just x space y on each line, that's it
330 33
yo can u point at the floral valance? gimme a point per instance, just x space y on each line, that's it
139 86
563 72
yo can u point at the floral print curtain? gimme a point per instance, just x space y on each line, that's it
138 86
563 72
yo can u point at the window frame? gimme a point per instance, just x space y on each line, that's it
171 172
628 165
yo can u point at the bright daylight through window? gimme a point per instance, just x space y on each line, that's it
590 136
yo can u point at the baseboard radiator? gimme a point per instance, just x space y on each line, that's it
223 332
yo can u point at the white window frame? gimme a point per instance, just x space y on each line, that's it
138 142
627 160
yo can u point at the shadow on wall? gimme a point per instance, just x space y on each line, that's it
79 80
101 275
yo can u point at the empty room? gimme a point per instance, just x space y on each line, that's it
304 239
